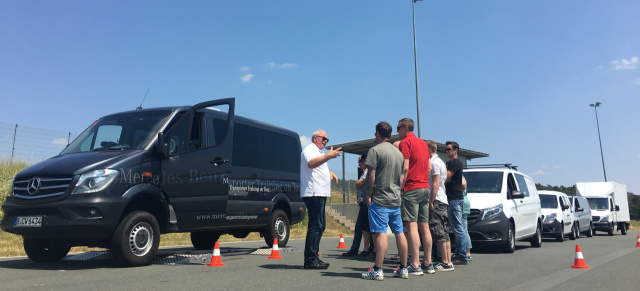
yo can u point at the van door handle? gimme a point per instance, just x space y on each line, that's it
219 161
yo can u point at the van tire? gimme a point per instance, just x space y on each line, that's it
572 236
277 227
610 231
136 239
45 251
536 239
560 236
623 229
590 231
510 246
577 230
204 240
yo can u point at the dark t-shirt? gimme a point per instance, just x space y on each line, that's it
454 187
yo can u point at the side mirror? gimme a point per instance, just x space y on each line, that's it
161 145
517 195
565 207
580 209
617 208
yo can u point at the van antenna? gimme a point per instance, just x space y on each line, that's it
145 97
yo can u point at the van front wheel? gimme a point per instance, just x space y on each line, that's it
510 246
136 239
536 239
44 251
278 227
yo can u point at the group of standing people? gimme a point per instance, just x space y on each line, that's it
405 187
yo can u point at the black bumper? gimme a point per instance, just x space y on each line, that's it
551 228
493 231
602 226
76 217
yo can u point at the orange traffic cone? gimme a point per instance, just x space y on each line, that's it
341 245
638 244
216 260
275 252
579 263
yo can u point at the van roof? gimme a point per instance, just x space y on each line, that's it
238 118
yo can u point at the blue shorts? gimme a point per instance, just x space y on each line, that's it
380 217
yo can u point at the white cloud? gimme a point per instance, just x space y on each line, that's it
538 173
543 166
59 141
246 78
624 64
305 141
288 66
638 156
244 69
273 65
598 68
637 82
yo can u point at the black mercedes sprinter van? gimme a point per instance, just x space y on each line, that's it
134 175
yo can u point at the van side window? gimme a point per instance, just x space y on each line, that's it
511 185
178 136
522 184
219 131
576 205
246 147
279 152
196 141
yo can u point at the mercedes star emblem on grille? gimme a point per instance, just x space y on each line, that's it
33 186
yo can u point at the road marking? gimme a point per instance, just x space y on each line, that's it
553 279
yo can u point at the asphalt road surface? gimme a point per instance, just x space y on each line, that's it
614 264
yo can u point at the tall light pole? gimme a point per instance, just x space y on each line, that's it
595 108
415 61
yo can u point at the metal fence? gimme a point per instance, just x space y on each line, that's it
31 144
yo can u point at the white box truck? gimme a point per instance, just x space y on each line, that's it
609 205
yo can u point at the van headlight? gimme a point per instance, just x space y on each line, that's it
604 218
95 181
491 212
550 217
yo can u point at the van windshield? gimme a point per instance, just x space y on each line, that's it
484 182
128 131
598 203
548 201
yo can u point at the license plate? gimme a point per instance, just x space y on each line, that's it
27 221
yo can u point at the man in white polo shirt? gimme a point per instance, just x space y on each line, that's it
315 187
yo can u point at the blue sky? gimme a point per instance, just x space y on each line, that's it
510 78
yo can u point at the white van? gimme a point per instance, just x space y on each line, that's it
582 215
505 207
558 218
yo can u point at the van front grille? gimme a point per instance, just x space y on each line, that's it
473 216
40 187
595 218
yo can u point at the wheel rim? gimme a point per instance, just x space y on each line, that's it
141 239
281 229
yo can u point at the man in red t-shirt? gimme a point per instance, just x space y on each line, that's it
415 199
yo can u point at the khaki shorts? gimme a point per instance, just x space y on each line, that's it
438 221
415 205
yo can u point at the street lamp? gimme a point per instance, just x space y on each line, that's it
595 108
415 61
